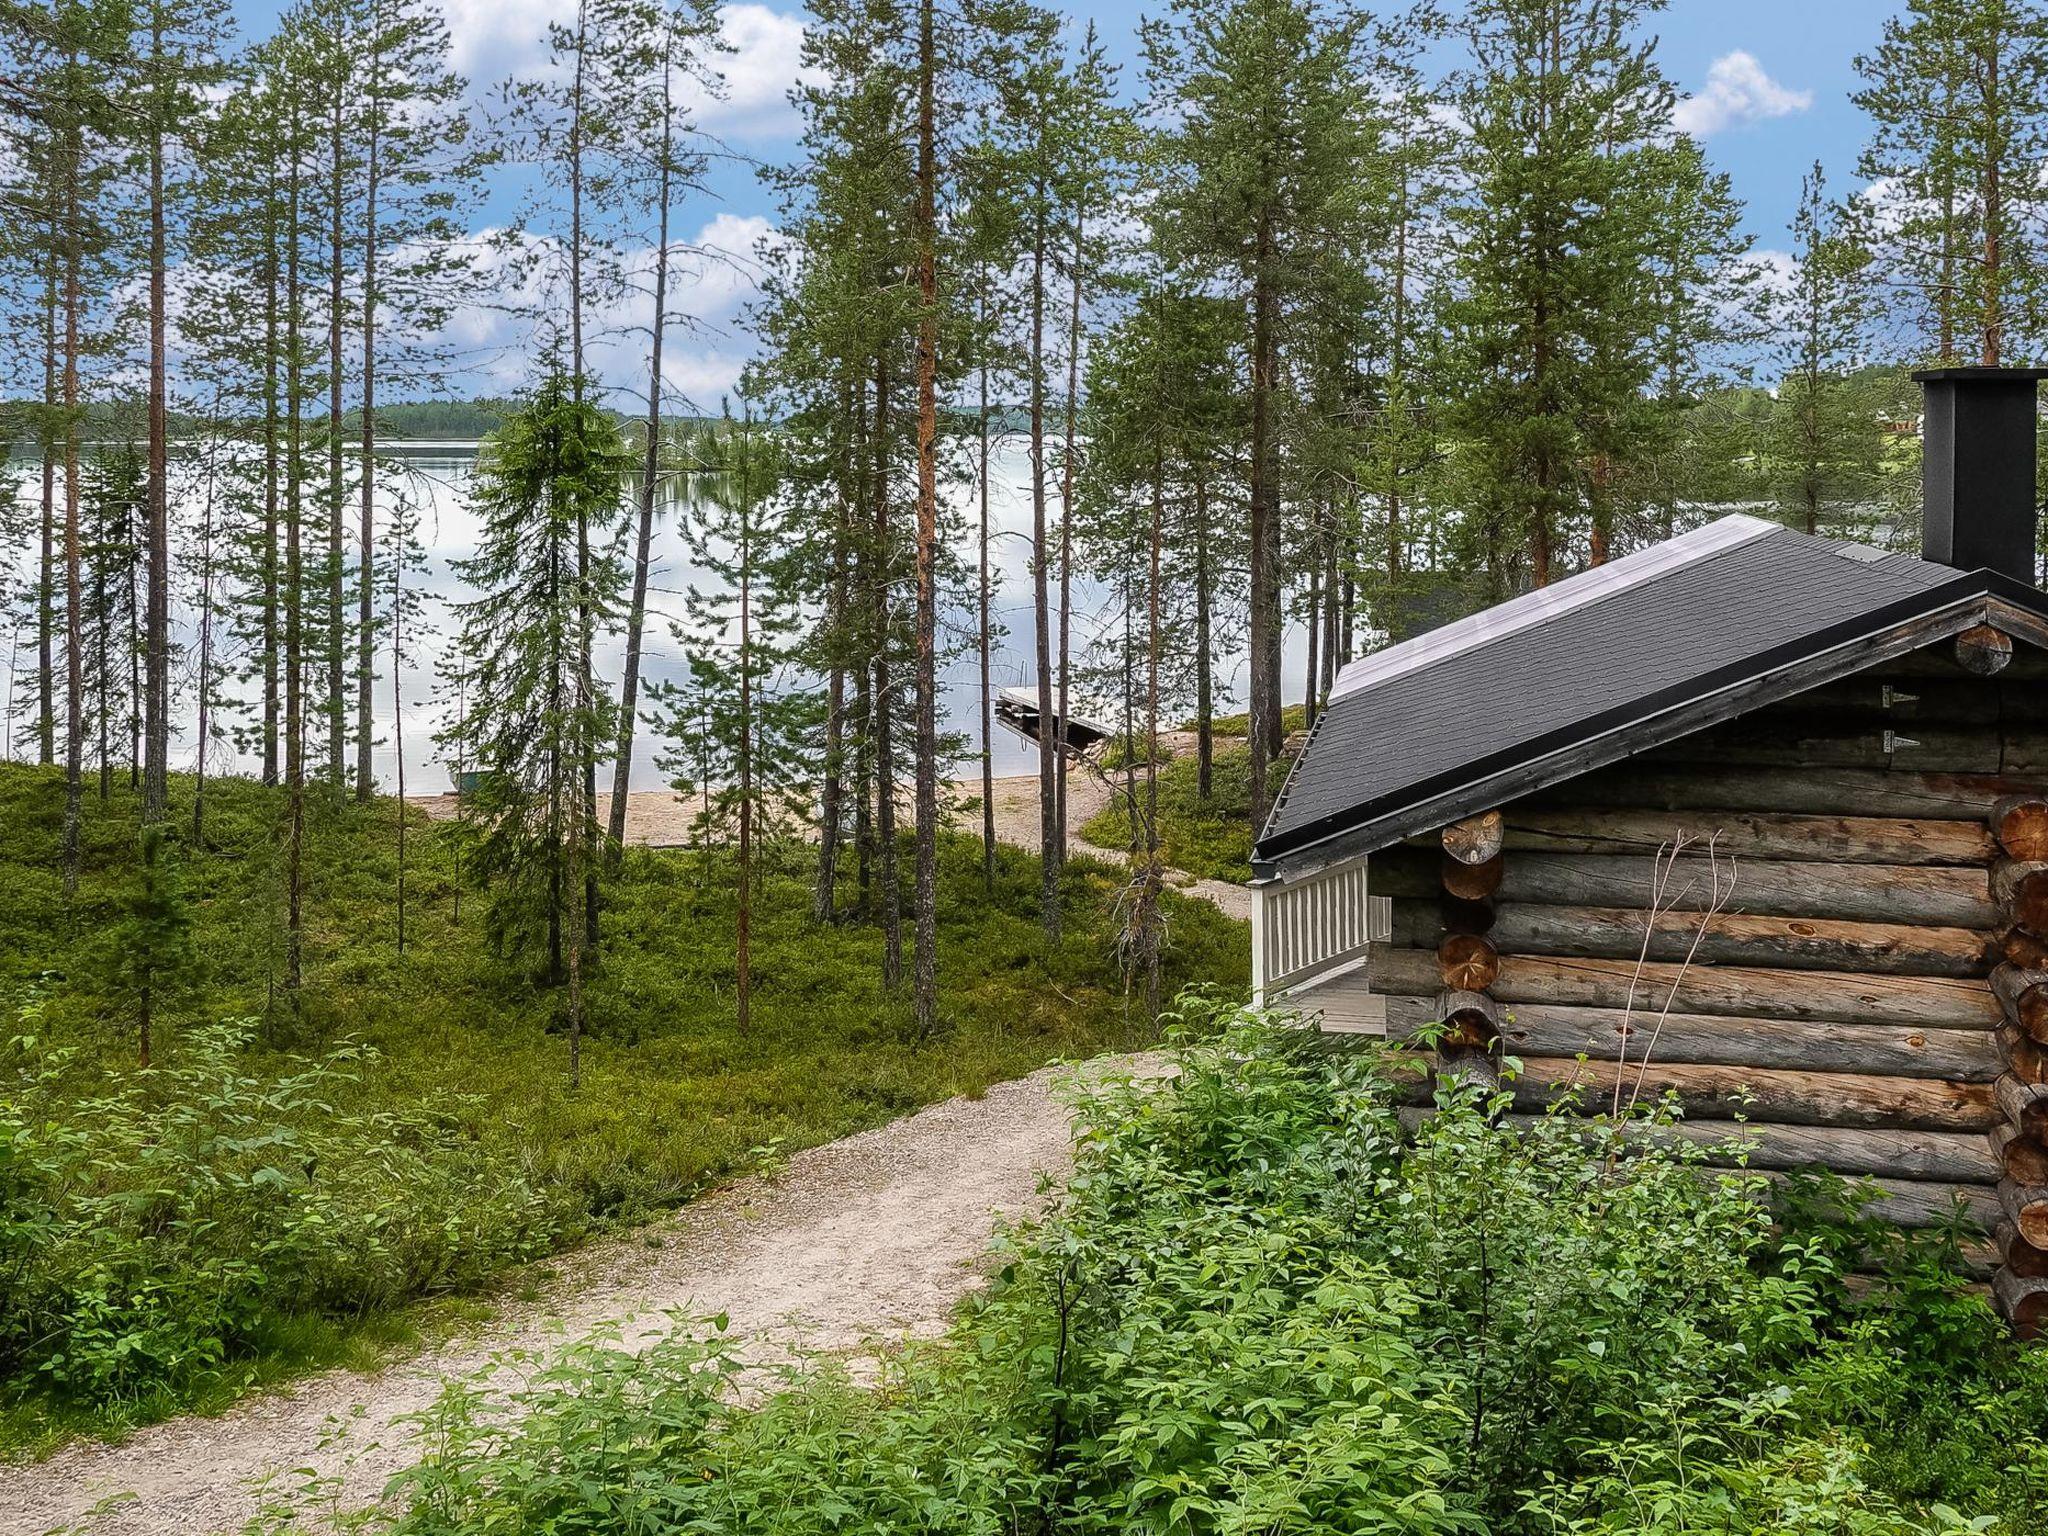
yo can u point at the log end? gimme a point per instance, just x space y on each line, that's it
1475 839
2026 1207
2023 1302
1983 650
1475 882
2020 823
1469 962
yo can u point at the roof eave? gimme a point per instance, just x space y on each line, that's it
1881 635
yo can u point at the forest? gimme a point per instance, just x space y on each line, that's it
1309 327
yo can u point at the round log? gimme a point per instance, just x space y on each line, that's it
1767 1096
1931 895
1983 651
2020 823
2024 1058
2026 950
1475 839
1752 835
2026 1207
2021 1158
1468 962
1885 1050
1471 1021
1922 1002
2024 996
1651 782
1470 882
1787 738
1951 1156
2022 1302
2025 1104
1917 1203
1956 1157
2019 1255
2020 887
1734 938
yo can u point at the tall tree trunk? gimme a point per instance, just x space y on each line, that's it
1994 212
156 708
743 935
272 343
1050 723
46 585
650 469
1264 724
1315 639
925 952
884 725
1149 900
205 629
366 499
1067 471
1205 674
74 633
337 635
587 629
398 733
982 647
294 597
831 793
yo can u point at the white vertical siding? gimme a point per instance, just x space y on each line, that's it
1302 928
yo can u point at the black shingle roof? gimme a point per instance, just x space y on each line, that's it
1485 696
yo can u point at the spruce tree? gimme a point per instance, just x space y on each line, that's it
549 477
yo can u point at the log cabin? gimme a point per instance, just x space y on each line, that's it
1750 817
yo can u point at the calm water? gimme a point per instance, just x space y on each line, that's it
435 479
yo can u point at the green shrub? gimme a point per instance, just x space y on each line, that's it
156 1230
1269 1303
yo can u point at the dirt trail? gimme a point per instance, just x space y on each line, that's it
873 1237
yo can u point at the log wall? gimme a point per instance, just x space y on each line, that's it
1827 919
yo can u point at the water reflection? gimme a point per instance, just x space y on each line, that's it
433 482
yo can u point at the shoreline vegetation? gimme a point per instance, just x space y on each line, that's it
274 1193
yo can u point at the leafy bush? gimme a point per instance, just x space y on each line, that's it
156 1231
1272 1302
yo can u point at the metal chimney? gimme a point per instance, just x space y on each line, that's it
1977 466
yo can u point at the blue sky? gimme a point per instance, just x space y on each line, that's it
1768 82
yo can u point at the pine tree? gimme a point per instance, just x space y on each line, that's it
1269 134
1826 442
676 39
1573 184
1957 92
741 738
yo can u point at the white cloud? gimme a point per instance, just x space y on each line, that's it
1776 271
765 61
494 40
713 275
1737 91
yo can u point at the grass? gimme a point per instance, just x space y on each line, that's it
673 1096
1210 838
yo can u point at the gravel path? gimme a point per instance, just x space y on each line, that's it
871 1238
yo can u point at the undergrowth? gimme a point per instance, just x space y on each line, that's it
1267 1304
283 1181
1210 838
